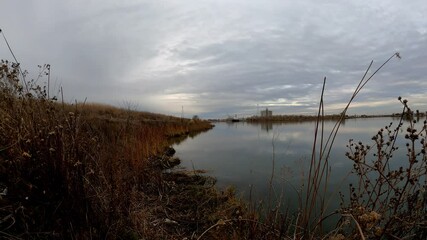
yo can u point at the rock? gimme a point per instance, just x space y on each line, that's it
169 152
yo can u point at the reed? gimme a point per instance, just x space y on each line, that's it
69 170
315 205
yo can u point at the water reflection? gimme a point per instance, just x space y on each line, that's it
247 155
239 153
267 126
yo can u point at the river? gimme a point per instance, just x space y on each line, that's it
245 155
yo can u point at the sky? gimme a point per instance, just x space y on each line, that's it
219 58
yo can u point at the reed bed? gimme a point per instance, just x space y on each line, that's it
78 170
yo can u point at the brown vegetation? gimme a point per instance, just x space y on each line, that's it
390 198
93 171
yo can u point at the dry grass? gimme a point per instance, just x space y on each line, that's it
78 170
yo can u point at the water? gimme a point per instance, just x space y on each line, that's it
245 155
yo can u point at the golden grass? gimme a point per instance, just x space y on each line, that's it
77 170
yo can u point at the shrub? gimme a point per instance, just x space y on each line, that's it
390 199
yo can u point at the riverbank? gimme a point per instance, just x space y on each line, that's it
307 118
304 118
84 171
92 171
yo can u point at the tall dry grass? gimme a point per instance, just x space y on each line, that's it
70 170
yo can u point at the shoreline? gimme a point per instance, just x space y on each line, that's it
307 118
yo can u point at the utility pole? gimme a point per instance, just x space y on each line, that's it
48 80
182 113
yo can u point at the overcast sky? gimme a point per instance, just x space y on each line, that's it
224 57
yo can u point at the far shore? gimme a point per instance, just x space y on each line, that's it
301 118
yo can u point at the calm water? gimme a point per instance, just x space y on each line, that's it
245 155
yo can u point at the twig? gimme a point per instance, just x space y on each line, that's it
362 236
13 55
220 222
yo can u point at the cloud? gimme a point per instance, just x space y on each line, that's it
223 57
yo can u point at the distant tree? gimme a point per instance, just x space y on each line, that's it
195 118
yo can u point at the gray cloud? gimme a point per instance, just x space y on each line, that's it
224 57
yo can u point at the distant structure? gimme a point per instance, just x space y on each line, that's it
266 113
